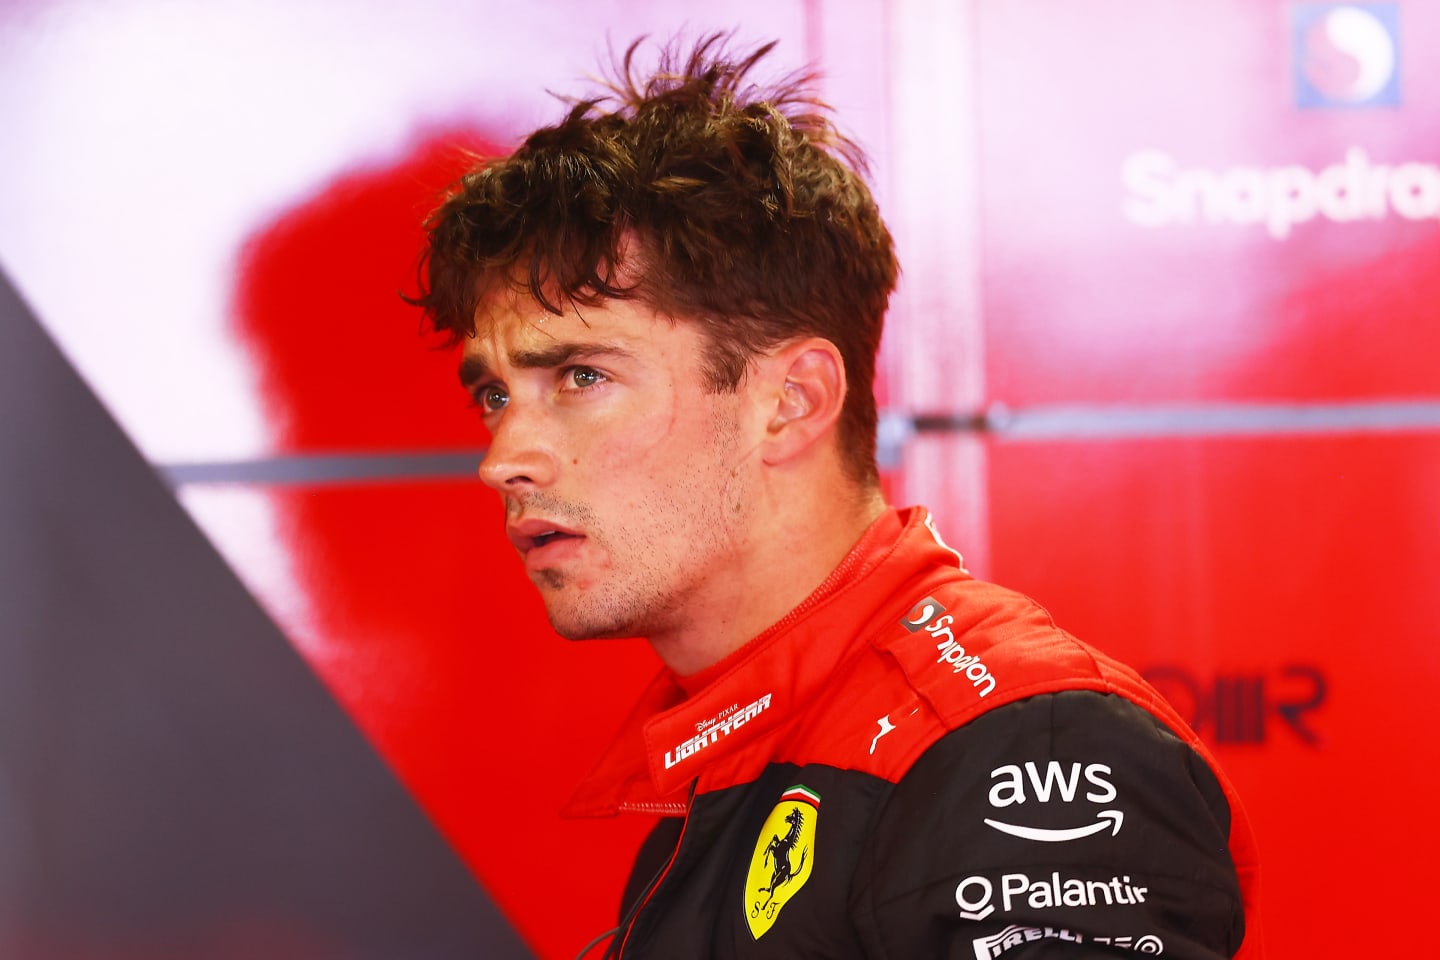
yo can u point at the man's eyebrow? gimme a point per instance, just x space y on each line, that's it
473 369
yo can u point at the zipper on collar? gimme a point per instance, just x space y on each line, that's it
622 935
672 809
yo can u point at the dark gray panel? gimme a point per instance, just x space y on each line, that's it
173 779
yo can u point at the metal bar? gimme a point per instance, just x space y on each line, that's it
1058 422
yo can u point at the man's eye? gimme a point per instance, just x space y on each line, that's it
492 398
583 377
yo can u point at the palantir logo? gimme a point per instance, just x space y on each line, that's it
1346 55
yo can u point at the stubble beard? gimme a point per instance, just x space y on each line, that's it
703 510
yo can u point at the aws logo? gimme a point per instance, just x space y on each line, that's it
1014 785
784 858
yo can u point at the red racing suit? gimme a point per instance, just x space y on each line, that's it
914 763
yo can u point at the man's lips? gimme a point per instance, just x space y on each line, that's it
533 534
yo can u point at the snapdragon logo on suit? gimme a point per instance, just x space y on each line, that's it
1346 55
922 614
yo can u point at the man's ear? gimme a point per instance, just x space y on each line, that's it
805 381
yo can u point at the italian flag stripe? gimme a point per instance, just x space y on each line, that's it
798 792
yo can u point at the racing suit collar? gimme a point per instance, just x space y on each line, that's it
670 740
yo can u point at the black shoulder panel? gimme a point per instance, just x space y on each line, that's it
1071 822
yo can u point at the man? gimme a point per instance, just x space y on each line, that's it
670 305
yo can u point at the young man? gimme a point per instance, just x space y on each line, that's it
669 306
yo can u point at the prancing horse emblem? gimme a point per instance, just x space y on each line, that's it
783 859
781 847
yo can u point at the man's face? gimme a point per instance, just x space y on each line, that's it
624 478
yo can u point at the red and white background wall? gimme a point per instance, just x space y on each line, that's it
1166 356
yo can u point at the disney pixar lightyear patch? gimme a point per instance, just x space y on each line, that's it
784 857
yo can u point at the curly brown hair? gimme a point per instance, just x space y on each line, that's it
746 208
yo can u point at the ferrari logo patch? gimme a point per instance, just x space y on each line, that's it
784 857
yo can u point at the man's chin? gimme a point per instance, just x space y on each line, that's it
584 631
583 620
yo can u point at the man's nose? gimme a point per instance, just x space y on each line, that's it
519 454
